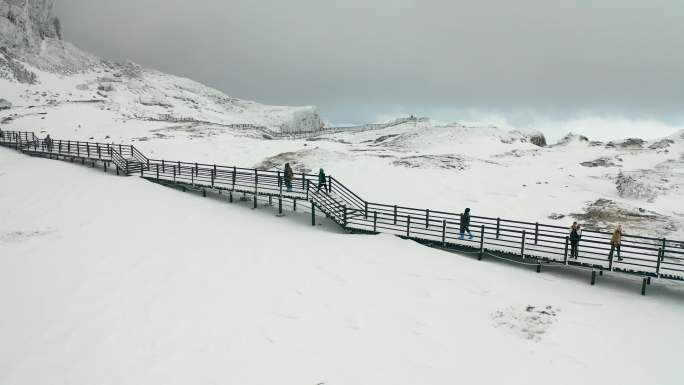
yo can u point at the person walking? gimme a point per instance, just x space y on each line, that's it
575 236
48 143
289 174
322 181
465 224
615 242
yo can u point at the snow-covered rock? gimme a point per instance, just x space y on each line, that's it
31 52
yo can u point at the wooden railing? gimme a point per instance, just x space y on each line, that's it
529 242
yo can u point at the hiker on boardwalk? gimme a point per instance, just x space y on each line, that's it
465 224
575 236
289 174
615 242
48 143
322 181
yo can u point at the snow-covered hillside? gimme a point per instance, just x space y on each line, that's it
120 281
38 69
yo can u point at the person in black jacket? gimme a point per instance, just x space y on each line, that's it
575 236
465 224
289 174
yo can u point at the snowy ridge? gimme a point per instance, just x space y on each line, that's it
38 68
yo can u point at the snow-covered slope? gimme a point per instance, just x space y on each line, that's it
200 291
38 69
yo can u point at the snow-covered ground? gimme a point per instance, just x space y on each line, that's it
115 280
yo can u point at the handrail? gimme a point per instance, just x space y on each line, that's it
643 255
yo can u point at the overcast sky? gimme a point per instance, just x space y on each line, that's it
359 60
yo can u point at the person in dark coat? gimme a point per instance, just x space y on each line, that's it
575 236
48 143
289 174
465 224
322 181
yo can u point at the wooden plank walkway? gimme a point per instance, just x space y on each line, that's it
536 244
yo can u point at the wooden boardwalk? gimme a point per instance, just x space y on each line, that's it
535 244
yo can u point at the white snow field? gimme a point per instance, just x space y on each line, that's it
115 280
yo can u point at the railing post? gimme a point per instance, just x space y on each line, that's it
663 249
661 255
163 167
120 152
375 221
256 186
88 149
522 246
78 149
192 178
395 214
482 234
498 223
444 224
345 216
234 176
256 181
536 232
408 226
643 286
174 173
213 176
157 166
565 258
313 213
126 166
365 210
330 179
427 219
99 154
304 186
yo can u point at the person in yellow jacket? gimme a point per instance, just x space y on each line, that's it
615 242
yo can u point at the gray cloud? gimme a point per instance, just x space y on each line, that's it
358 58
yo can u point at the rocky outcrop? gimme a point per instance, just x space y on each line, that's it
661 144
24 24
571 138
631 143
600 162
5 104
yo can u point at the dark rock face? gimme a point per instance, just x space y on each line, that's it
538 140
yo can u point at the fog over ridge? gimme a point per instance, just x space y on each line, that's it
527 63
